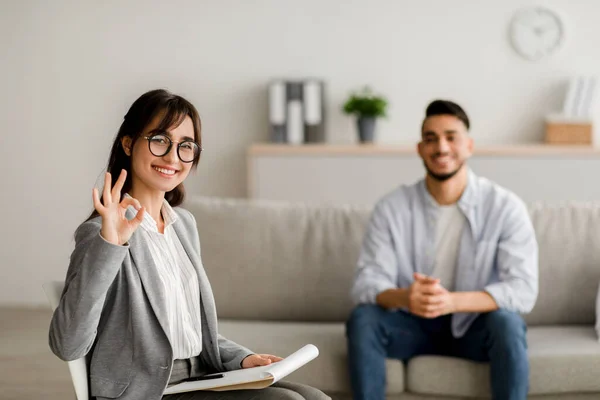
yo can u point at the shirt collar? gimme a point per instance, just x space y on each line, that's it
148 223
471 194
467 200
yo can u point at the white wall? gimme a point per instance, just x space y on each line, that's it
71 69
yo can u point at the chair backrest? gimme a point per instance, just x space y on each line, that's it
77 368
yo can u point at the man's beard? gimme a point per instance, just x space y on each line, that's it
442 177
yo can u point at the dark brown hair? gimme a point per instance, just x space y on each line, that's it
446 107
174 109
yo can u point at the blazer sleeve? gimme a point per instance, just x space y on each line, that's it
93 267
232 354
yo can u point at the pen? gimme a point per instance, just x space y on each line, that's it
204 377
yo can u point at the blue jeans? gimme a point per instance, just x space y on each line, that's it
497 337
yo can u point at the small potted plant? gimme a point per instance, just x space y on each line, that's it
367 107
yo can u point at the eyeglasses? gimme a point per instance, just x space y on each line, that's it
160 144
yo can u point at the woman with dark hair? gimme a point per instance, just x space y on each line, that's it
136 296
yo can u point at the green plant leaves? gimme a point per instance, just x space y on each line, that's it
366 104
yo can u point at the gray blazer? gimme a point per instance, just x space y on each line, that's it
113 306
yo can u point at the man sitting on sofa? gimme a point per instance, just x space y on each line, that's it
446 266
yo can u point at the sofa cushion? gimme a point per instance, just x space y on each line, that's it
328 372
569 259
279 262
562 360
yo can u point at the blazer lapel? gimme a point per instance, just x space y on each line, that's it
146 267
207 300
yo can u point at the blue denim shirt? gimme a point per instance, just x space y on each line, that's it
498 249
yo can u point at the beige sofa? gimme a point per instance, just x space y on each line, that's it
281 275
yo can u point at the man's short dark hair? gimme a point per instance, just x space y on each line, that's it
447 107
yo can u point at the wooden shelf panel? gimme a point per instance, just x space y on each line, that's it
267 149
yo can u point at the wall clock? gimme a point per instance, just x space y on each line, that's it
536 33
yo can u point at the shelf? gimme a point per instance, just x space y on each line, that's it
269 149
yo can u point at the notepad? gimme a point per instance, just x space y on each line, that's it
251 378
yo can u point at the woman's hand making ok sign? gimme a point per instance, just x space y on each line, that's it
116 228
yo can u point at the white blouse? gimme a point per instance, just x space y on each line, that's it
180 281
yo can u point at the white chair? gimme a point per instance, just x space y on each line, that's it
77 368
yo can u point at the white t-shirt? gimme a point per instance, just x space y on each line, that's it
450 224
